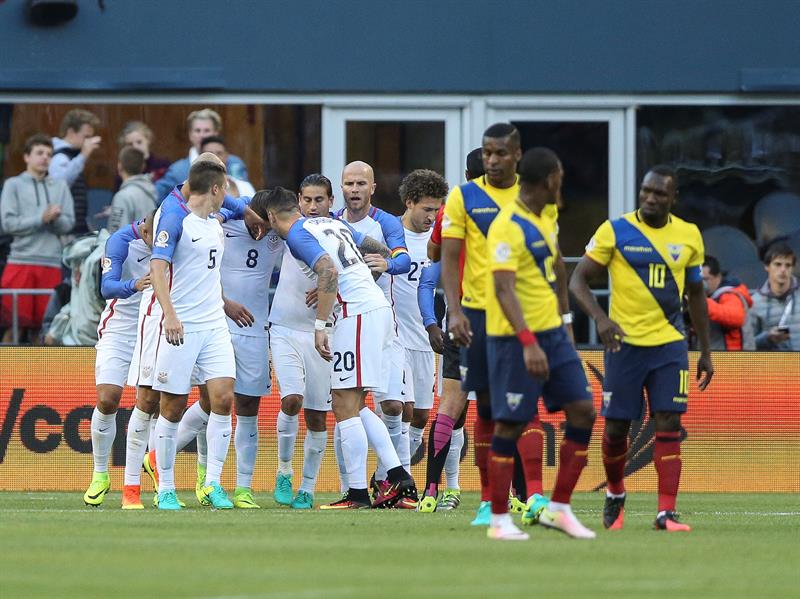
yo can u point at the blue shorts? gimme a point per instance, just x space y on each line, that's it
474 366
663 370
515 393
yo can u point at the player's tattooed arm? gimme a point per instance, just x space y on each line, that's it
373 246
327 286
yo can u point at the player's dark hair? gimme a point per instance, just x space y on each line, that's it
77 118
779 248
39 139
475 164
713 265
132 160
666 171
501 130
317 180
277 199
213 139
537 164
203 174
422 183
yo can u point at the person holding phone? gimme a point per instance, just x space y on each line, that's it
775 316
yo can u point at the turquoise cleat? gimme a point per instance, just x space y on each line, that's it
217 497
533 509
283 489
484 515
303 501
167 500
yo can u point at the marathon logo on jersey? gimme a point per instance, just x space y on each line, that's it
637 249
162 239
485 210
106 265
513 400
502 252
675 251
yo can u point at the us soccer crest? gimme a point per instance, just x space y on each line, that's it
513 400
162 239
675 251
146 370
106 265
162 376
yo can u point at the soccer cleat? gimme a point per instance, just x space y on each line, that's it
346 503
97 490
217 497
395 493
155 501
506 531
614 513
427 505
515 504
534 508
167 500
302 501
243 499
484 515
450 500
283 489
566 522
669 521
200 483
149 465
409 503
377 487
132 498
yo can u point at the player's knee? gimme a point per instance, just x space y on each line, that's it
108 397
147 400
507 429
616 429
392 408
315 420
420 418
291 404
222 403
668 422
247 405
581 414
462 419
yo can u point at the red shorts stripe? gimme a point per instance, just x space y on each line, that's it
105 322
358 351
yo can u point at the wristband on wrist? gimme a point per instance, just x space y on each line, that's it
526 338
567 318
319 325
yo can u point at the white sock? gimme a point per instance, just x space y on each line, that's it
136 446
554 506
354 448
414 439
379 439
501 519
614 495
193 422
246 443
218 435
287 436
313 450
104 429
151 436
404 447
166 432
337 448
452 464
394 424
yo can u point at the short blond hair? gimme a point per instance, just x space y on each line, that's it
77 118
205 114
132 126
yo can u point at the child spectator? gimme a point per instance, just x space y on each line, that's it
137 196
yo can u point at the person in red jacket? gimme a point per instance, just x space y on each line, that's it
728 302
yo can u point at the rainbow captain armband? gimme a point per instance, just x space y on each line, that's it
400 262
526 338
694 274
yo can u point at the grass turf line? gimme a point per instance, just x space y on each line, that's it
52 545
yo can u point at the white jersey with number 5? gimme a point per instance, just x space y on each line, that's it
409 320
311 238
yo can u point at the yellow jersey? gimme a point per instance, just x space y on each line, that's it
526 244
468 213
648 269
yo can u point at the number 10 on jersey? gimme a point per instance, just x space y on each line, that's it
657 275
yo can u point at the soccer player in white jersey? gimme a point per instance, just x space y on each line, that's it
303 375
358 187
361 339
422 191
185 274
125 273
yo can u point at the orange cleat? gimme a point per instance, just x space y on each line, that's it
669 521
131 498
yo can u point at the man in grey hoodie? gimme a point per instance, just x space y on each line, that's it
136 197
34 209
775 315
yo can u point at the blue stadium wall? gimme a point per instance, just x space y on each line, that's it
470 46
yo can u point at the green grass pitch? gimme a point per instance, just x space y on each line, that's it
53 546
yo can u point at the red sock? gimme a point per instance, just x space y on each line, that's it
530 446
614 453
484 429
501 471
572 457
667 459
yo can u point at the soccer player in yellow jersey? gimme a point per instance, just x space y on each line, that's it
530 352
651 256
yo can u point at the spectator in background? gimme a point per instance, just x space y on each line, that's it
70 153
138 135
237 187
136 197
34 209
728 302
201 124
775 317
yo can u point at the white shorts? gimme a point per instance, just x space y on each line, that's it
252 365
299 368
396 386
362 351
148 333
113 359
211 350
420 378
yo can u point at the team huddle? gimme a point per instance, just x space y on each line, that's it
187 291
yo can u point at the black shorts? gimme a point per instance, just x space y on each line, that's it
451 360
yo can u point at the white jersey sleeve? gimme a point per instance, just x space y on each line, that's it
289 303
404 295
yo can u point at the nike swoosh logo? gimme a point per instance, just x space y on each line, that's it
138 430
253 435
193 239
225 435
329 401
142 258
347 378
229 235
98 495
102 430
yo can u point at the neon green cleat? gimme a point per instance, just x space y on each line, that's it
515 506
167 500
427 505
199 484
97 490
243 498
484 515
450 500
283 489
217 497
302 501
533 509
